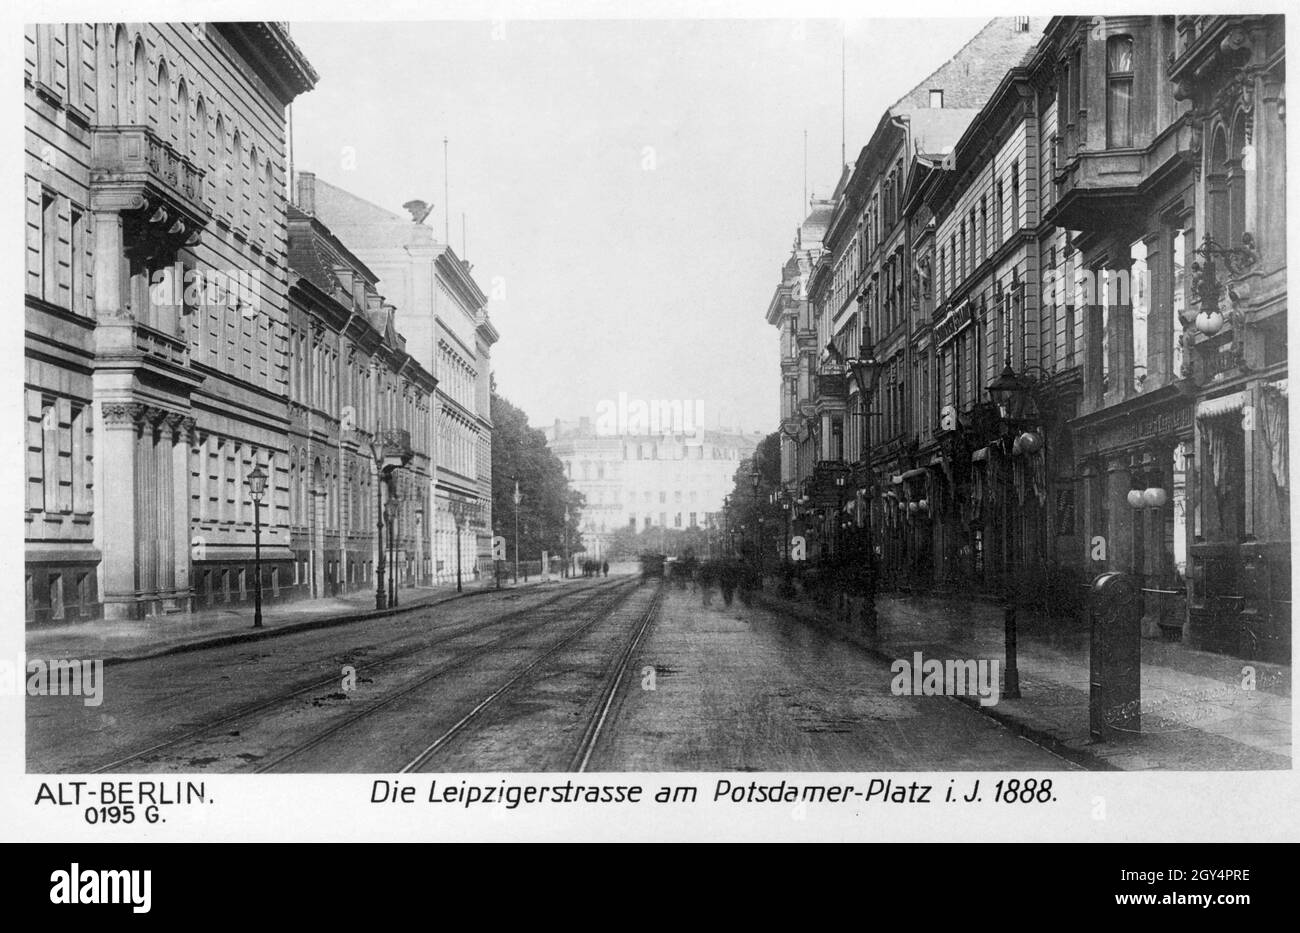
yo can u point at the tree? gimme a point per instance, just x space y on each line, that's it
520 454
747 509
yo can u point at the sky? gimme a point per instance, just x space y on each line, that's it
630 189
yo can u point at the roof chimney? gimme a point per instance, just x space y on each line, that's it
307 192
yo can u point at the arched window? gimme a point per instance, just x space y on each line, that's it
1216 189
1119 92
183 116
1237 182
202 145
122 76
269 172
140 86
237 176
220 160
164 101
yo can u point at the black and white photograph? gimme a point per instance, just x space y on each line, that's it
809 410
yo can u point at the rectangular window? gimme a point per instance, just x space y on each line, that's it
1140 305
74 52
1119 91
936 99
56 596
1178 299
49 247
1015 196
50 454
997 217
1075 82
77 262
81 463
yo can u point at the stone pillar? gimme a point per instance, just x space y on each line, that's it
181 492
146 510
115 476
318 542
1120 338
1250 430
1092 356
1119 534
108 265
1160 327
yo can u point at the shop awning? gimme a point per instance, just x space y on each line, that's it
979 455
913 474
1223 405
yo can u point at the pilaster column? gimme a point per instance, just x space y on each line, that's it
1160 327
1119 534
108 265
181 493
117 424
1120 339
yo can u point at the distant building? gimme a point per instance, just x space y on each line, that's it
443 314
642 481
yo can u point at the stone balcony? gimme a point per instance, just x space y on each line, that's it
393 447
160 346
133 169
1096 190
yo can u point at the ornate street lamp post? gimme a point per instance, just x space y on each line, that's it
256 489
458 516
755 478
518 499
390 513
1010 392
864 369
727 535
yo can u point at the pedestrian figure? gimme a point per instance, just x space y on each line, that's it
604 566
729 577
707 577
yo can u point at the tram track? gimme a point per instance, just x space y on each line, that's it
617 595
371 665
597 721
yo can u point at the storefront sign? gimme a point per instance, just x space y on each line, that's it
953 323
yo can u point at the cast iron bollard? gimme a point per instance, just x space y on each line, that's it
1115 681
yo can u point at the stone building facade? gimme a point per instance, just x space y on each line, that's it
356 398
1109 230
443 314
156 314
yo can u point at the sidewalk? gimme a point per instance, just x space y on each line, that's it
134 640
1195 714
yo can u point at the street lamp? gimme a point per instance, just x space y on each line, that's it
755 478
1011 393
391 509
726 523
458 516
518 499
864 369
256 489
